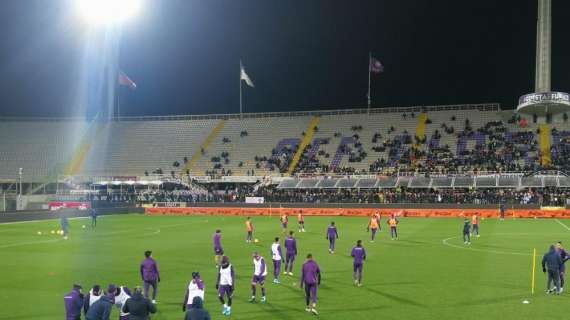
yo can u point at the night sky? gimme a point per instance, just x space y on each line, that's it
301 54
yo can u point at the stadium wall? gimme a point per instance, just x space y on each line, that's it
360 211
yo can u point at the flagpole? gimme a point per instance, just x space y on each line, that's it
369 78
118 104
240 94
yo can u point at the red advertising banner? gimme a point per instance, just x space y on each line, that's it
56 205
245 211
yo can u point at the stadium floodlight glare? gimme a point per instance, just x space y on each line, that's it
101 12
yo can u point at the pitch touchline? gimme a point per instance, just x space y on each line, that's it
32 221
446 243
562 224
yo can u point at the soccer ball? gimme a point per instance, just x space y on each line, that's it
83 226
256 240
39 233
52 232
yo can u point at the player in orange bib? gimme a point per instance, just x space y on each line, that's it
393 223
373 227
284 221
475 225
301 221
249 228
378 216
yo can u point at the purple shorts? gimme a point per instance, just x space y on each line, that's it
258 279
125 317
219 251
357 267
290 257
311 291
225 290
284 225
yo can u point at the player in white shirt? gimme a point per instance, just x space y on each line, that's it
93 296
277 257
225 284
195 289
121 295
259 274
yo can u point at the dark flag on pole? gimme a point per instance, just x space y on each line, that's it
124 80
376 66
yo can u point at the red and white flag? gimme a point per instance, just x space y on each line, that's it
124 80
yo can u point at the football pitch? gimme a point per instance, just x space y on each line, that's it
427 274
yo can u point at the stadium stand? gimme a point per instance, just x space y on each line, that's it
436 140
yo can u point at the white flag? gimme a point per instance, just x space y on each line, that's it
245 77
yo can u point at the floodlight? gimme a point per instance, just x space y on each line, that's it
100 12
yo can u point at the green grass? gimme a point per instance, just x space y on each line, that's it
416 277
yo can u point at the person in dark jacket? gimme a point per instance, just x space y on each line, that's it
466 231
197 312
101 310
73 303
551 263
139 307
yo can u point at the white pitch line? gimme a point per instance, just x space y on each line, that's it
10 245
562 224
446 243
32 221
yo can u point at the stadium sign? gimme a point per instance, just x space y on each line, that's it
542 103
545 97
257 200
171 204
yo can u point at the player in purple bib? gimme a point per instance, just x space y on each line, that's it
218 250
332 235
310 280
291 246
359 255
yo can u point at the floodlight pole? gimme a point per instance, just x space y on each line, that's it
369 80
240 93
543 46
